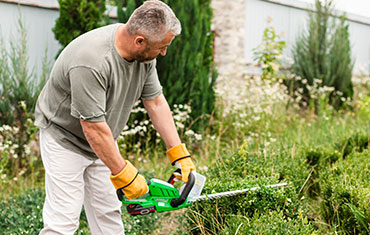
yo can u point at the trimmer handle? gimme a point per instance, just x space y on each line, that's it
175 202
171 180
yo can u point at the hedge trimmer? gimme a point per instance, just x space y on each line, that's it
163 196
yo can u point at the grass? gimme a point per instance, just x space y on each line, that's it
274 148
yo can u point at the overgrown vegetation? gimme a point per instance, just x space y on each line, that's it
19 89
321 152
322 57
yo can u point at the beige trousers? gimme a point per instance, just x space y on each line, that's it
71 181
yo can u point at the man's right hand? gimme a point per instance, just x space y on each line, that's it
130 182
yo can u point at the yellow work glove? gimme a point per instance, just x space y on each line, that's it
180 157
130 182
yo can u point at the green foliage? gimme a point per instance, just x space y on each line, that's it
22 214
345 194
186 72
271 222
268 53
364 107
324 54
212 215
245 170
76 18
357 142
19 90
319 159
138 138
17 83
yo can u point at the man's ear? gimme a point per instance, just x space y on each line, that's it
139 41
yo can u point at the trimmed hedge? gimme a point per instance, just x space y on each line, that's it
271 222
355 143
245 170
346 194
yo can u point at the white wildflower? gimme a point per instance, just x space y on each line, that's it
198 136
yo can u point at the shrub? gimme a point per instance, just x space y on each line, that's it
22 214
19 90
269 52
186 72
357 142
324 54
270 222
364 106
319 159
17 83
345 194
238 171
76 18
212 215
140 137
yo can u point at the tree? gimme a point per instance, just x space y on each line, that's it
324 54
187 72
77 17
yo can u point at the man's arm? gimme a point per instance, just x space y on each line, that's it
124 175
100 138
160 114
161 117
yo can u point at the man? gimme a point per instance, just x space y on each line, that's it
85 105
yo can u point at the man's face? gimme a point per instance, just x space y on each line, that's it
153 50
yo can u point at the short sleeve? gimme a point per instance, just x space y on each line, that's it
88 94
152 87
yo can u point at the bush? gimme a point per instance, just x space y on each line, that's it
212 215
319 159
345 194
323 54
269 52
17 83
76 18
19 90
22 214
355 143
270 222
186 72
238 171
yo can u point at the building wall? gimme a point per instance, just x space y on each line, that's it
290 18
38 17
38 21
238 24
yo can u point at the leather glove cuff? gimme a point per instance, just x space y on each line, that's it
177 153
125 177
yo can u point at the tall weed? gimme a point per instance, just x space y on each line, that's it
19 89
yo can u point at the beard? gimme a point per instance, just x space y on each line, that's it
142 57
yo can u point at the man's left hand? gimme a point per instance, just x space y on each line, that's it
181 158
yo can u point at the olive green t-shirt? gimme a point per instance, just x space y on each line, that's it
92 82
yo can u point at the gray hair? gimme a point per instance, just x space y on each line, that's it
153 20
